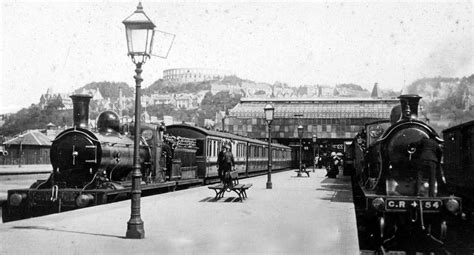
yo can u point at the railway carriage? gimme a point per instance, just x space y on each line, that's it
250 155
459 161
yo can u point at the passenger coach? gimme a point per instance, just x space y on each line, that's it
250 155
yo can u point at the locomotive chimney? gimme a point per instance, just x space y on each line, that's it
81 110
409 104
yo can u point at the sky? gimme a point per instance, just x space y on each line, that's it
66 45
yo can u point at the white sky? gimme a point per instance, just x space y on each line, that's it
65 45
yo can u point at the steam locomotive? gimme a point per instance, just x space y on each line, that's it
94 167
397 194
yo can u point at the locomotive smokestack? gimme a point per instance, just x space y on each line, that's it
81 110
409 104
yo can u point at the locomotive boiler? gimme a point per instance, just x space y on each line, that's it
399 192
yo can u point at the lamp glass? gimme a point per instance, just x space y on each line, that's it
139 41
139 30
315 138
300 131
269 110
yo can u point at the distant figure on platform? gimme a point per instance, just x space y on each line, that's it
316 161
225 163
333 168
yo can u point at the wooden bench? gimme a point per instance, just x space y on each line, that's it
232 184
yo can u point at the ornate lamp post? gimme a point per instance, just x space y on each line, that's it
315 139
139 32
300 135
269 110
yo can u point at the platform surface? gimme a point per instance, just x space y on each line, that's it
300 215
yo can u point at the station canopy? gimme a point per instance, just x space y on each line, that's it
316 108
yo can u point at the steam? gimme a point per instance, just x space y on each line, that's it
452 58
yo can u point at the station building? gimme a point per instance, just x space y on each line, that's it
335 121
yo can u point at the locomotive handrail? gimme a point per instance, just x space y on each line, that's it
75 131
398 125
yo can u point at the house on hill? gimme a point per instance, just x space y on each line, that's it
64 98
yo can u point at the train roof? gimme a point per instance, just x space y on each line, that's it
460 126
195 132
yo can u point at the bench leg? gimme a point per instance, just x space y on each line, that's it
221 193
238 193
217 194
244 192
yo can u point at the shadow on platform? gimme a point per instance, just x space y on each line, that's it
220 200
342 192
66 231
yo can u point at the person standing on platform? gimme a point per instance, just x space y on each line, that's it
220 162
316 161
225 162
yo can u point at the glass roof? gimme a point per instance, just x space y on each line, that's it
318 109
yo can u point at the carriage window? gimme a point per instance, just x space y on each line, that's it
213 148
200 146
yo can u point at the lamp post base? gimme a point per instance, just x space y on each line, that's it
269 185
135 231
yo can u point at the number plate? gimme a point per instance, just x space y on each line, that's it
45 196
428 205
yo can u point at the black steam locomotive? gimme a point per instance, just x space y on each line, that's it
94 167
398 194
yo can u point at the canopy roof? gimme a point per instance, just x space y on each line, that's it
31 137
316 108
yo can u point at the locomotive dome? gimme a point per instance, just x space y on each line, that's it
108 122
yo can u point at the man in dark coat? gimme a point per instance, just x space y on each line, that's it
225 162
168 152
220 162
427 161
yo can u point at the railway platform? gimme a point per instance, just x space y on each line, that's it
25 169
312 215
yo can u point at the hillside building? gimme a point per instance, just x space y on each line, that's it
184 75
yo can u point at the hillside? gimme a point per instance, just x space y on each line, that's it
446 101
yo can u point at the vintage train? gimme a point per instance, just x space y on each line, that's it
397 192
94 167
459 159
